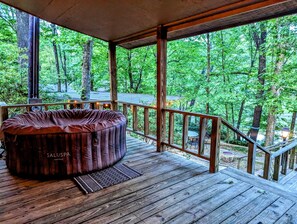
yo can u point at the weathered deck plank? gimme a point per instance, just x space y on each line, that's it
289 217
290 181
274 211
160 200
250 211
197 205
232 206
258 182
172 189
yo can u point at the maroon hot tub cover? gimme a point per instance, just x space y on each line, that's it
64 142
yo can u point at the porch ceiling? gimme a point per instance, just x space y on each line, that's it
133 23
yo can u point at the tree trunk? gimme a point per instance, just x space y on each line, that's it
141 71
270 128
192 103
86 69
280 59
55 49
260 41
239 117
208 72
22 30
129 57
292 126
63 62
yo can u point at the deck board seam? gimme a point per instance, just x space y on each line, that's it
152 178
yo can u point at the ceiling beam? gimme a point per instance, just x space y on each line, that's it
203 18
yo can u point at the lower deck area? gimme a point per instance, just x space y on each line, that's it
172 189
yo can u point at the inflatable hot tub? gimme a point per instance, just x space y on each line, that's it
63 142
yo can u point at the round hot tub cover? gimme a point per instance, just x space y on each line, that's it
64 142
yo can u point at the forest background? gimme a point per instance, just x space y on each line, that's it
246 74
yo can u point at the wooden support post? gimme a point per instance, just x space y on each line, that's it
202 132
185 131
146 122
171 128
285 163
96 105
267 166
292 158
33 74
125 110
215 145
135 118
276 168
161 85
113 76
251 161
3 112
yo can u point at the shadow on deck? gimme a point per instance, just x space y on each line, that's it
172 189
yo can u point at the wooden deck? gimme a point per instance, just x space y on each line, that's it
290 181
172 189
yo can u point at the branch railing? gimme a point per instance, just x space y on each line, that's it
142 121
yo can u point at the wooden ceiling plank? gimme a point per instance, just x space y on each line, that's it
195 33
221 9
225 14
133 23
211 15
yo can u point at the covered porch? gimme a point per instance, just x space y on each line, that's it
131 25
172 189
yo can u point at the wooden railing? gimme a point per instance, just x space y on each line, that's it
284 159
142 121
139 123
274 162
8 110
253 146
206 123
147 117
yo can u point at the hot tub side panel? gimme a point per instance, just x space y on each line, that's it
65 154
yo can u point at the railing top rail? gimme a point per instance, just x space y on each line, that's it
191 113
137 104
52 104
284 149
244 136
280 144
171 110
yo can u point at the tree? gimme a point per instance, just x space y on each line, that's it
22 24
282 42
86 69
259 36
208 70
55 49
